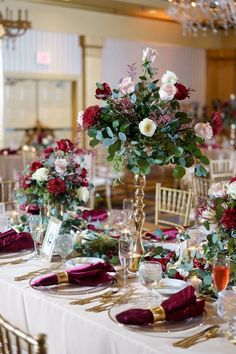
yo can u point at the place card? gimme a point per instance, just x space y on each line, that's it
53 230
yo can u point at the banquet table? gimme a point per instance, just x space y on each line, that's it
70 329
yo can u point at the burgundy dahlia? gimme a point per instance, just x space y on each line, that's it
103 94
47 152
65 145
91 116
35 166
27 181
233 179
228 219
216 122
56 186
182 92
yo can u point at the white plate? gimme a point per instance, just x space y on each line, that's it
157 328
83 260
171 286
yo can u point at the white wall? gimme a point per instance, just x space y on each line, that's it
64 50
189 64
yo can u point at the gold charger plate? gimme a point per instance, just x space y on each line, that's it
158 328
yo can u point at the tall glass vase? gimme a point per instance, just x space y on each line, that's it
139 218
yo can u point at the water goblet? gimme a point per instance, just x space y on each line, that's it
150 274
64 246
126 245
221 271
226 309
35 226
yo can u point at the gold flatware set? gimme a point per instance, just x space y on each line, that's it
38 272
205 334
106 300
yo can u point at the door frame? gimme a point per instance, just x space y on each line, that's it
76 91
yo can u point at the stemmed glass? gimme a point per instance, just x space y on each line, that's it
35 226
64 246
128 209
2 217
221 270
126 245
150 274
226 309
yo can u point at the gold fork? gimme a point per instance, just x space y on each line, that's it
207 333
106 295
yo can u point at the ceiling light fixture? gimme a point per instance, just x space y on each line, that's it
201 16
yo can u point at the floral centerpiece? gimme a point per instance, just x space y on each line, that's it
142 124
218 215
58 179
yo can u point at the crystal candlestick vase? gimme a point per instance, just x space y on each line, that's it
139 218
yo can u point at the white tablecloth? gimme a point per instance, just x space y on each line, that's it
71 330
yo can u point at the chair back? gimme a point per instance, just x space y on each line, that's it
13 340
6 192
221 169
174 203
201 186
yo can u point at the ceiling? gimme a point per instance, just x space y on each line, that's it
152 9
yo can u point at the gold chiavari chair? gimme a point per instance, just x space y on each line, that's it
13 340
6 192
173 204
201 187
221 170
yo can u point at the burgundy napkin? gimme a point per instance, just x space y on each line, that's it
11 241
169 234
87 275
30 209
140 317
94 215
178 307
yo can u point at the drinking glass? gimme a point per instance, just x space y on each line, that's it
126 245
150 274
35 226
226 309
221 270
64 246
2 217
128 209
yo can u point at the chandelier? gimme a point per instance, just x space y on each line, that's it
201 16
14 27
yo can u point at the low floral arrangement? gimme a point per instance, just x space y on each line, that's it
228 110
58 178
218 215
142 123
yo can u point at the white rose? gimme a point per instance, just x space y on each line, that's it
208 214
147 127
40 175
60 165
80 118
169 78
83 194
127 86
217 190
232 190
149 55
203 130
167 92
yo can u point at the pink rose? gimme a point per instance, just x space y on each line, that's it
127 86
60 165
203 130
149 55
167 92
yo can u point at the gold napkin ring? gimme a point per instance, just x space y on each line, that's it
62 277
158 313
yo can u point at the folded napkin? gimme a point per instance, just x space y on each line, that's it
95 215
169 234
30 209
86 275
11 241
178 307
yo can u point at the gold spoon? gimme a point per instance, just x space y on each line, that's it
207 333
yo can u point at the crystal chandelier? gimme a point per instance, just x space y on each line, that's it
14 27
203 15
